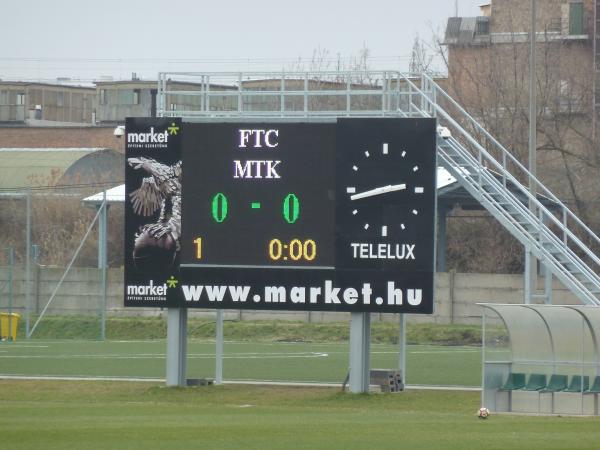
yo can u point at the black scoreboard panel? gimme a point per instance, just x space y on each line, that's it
259 195
385 185
332 216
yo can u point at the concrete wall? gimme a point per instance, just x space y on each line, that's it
457 295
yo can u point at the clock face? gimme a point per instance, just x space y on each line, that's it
384 203
386 189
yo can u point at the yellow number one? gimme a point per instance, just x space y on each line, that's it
198 242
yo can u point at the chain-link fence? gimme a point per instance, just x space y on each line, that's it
61 274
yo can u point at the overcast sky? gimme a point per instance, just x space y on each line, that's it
45 39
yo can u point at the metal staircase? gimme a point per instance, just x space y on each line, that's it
488 171
548 233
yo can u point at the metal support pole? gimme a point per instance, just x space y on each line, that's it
532 99
548 285
28 305
402 348
103 261
11 267
527 279
531 273
441 238
219 349
483 383
176 346
547 274
360 354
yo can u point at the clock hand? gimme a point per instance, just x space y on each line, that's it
379 191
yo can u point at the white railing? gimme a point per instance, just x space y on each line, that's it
431 92
207 96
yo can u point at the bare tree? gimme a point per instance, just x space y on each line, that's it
421 57
490 80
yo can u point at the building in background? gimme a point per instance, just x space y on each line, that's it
490 53
488 59
488 74
43 104
117 100
100 103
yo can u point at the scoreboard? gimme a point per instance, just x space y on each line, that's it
298 216
260 195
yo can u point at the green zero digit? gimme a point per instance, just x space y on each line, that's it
291 208
219 207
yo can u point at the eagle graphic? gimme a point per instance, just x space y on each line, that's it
160 190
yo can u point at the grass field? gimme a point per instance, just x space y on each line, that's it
53 414
254 350
278 361
58 415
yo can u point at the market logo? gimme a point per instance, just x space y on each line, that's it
152 138
147 292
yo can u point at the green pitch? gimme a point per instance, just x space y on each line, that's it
58 415
277 361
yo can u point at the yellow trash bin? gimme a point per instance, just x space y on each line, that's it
8 326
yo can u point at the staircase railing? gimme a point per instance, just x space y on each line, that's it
514 214
427 103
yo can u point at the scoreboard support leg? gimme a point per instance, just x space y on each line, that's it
402 349
176 346
360 352
219 349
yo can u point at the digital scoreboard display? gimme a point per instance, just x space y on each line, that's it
335 216
259 195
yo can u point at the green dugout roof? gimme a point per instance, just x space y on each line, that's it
22 168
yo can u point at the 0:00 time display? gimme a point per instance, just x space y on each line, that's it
295 250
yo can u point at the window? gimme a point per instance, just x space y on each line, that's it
576 18
103 96
136 96
569 100
555 25
20 99
60 99
482 26
173 106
